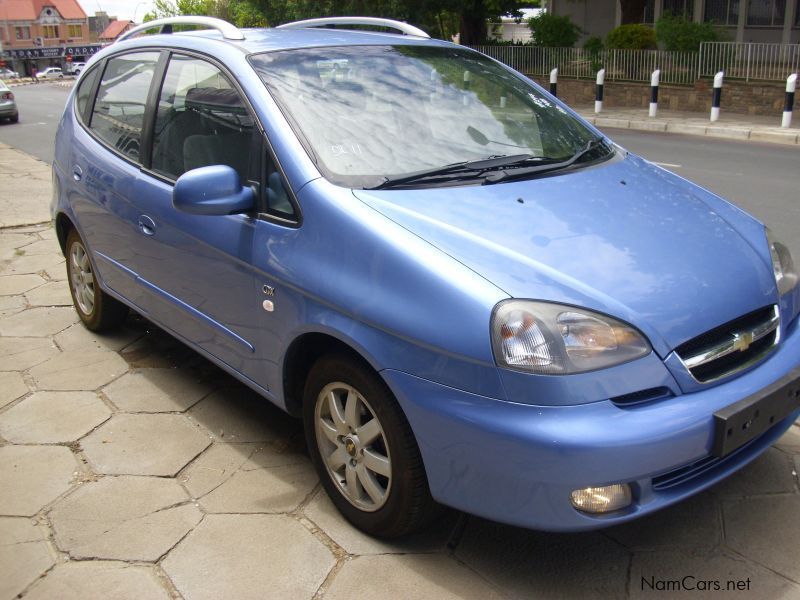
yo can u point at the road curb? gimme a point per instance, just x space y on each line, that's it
790 137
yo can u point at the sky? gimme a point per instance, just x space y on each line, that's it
122 9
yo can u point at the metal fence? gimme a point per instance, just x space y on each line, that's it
765 62
770 62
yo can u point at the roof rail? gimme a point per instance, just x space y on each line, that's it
229 32
377 22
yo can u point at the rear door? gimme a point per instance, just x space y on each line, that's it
104 163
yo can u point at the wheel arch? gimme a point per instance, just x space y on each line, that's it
301 355
63 225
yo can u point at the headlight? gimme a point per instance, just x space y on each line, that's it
782 264
554 339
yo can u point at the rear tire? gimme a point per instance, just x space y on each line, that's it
97 310
364 450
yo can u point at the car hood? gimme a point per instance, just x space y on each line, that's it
625 238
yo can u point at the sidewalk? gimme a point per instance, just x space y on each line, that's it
130 467
734 126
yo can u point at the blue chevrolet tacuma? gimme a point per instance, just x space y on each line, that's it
471 297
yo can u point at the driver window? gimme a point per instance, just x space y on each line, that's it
201 121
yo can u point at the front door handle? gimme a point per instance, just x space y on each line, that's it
146 225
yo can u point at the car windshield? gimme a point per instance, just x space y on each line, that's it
371 113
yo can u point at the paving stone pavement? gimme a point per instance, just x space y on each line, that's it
130 467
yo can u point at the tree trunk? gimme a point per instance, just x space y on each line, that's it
473 28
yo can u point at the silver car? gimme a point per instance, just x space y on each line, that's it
6 73
8 106
50 73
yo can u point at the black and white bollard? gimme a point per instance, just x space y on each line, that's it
788 105
554 82
598 95
716 97
654 92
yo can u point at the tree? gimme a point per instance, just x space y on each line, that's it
553 31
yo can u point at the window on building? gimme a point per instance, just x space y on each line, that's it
722 12
23 33
75 31
797 14
649 11
50 31
118 115
679 8
766 13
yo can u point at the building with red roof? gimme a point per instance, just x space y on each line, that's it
35 34
115 29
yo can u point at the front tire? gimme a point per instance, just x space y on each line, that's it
97 310
364 450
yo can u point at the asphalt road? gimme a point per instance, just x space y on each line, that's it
763 179
40 107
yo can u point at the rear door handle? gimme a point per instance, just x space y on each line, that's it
147 226
77 173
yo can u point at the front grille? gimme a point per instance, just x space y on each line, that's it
731 347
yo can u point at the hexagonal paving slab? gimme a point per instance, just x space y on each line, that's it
770 473
410 576
18 284
237 414
54 293
99 579
123 518
23 264
215 466
157 390
433 538
81 370
695 522
144 445
248 556
20 354
656 574
77 337
40 475
24 555
37 322
270 481
533 564
766 530
53 417
11 305
12 386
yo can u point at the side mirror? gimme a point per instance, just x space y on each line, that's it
214 190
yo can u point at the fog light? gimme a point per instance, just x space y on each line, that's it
602 499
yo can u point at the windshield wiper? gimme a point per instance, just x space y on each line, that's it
543 168
472 167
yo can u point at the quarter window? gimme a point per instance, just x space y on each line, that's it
201 121
118 114
84 91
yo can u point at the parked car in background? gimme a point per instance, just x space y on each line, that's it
50 73
8 106
470 295
6 73
76 68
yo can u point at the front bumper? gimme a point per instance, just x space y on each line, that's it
518 463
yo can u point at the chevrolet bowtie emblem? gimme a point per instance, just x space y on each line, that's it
742 341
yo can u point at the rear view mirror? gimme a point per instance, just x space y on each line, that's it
214 190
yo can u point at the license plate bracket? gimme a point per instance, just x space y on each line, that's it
745 420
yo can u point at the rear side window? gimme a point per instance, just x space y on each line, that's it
118 114
201 121
85 89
